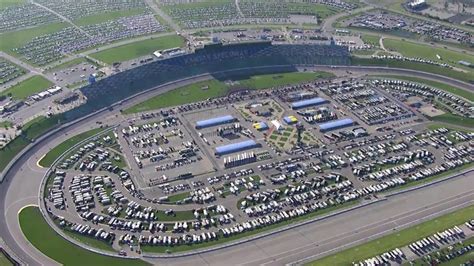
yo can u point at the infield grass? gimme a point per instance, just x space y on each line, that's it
54 153
201 91
45 239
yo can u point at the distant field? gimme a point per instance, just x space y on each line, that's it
442 86
7 3
398 239
195 92
411 49
137 49
27 87
45 239
18 38
54 153
103 17
322 11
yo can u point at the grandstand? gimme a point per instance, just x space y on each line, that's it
210 59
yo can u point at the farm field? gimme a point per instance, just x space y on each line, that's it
137 49
58 248
399 239
27 87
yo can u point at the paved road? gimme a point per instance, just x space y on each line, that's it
21 186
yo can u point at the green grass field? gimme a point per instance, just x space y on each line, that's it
442 86
273 80
6 124
8 152
27 87
90 241
201 91
103 17
399 239
8 3
18 38
177 197
44 238
137 49
467 77
322 11
454 119
411 49
54 153
4 261
40 125
371 39
192 93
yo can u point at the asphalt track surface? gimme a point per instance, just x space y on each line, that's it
21 188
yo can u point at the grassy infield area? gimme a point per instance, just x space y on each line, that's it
213 88
54 153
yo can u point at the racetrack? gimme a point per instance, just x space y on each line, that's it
21 186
